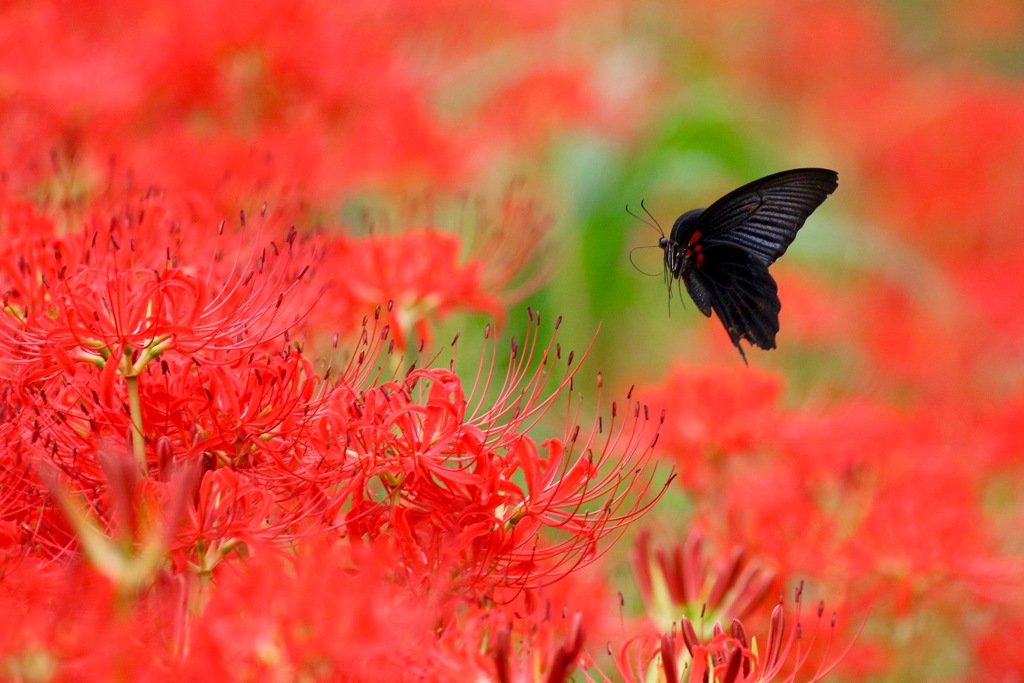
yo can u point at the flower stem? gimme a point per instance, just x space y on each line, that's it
135 410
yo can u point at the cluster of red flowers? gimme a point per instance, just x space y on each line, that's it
311 101
170 446
231 448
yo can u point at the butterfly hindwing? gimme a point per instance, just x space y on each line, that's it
762 217
698 291
738 287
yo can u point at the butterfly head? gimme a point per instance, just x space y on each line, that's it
675 259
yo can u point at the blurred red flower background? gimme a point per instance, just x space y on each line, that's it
322 357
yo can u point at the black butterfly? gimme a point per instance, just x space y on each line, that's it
722 253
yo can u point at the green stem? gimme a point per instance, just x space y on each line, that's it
135 410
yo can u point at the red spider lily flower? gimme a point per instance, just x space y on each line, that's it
135 548
729 655
129 317
906 547
454 478
535 636
117 309
451 490
488 258
330 610
232 414
713 414
27 254
507 239
418 270
858 484
561 662
251 97
681 581
994 653
183 362
538 103
373 626
108 297
446 479
69 623
101 337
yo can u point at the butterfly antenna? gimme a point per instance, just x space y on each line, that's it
638 268
644 207
652 222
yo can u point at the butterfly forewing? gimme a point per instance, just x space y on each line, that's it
764 216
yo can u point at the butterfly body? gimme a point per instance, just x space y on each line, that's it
722 253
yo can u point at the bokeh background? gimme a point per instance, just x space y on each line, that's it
877 454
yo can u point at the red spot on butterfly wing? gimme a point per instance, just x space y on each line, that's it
696 250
